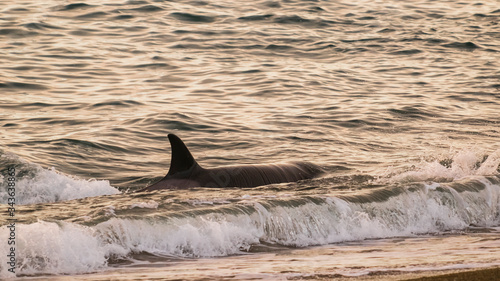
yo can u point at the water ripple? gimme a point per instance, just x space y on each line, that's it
326 81
74 6
22 86
193 18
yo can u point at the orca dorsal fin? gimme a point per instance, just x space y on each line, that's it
181 160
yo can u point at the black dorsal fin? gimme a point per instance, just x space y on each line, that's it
181 160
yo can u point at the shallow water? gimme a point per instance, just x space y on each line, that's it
370 257
398 102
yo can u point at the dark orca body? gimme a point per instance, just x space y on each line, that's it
186 173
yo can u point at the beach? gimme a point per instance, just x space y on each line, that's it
365 136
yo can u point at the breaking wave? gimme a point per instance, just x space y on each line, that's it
35 184
406 210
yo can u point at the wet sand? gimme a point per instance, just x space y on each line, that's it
482 274
488 274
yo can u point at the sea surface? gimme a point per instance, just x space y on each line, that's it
398 101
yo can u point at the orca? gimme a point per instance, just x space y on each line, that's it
185 172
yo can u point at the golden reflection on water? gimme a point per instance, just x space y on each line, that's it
377 90
352 82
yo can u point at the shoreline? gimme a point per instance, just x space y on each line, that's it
478 274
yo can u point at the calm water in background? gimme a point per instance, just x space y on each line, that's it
398 101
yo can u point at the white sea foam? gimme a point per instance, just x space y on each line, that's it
464 163
151 204
47 247
412 212
42 185
70 248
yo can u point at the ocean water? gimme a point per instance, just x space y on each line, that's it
398 101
